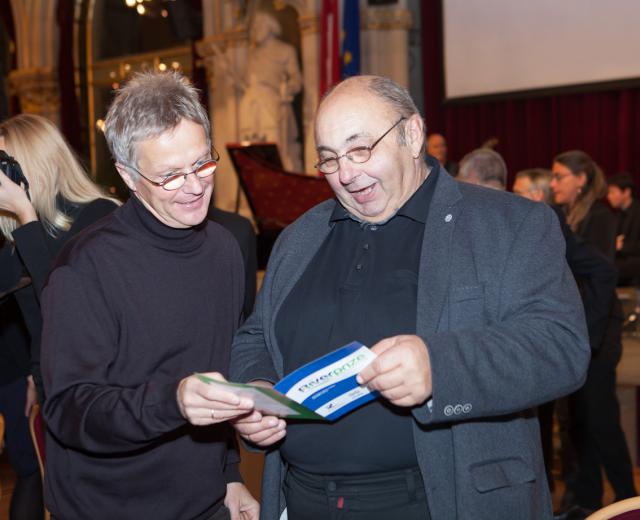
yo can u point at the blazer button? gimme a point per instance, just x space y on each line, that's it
458 409
466 408
448 410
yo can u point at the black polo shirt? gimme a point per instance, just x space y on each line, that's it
361 285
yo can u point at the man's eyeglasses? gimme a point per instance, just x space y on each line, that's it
175 180
357 155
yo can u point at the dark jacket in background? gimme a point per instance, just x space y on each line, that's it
242 230
628 258
31 255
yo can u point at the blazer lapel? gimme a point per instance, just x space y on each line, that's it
296 259
435 260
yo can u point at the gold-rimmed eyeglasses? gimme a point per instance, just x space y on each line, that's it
175 180
357 155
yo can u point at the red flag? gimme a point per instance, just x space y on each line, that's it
329 45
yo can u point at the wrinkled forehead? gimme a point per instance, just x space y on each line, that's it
349 114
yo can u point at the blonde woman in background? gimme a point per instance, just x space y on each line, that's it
62 201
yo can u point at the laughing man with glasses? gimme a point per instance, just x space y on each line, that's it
474 323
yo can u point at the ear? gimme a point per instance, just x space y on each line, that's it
582 179
126 177
414 132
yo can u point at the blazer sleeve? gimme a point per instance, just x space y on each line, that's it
522 343
250 358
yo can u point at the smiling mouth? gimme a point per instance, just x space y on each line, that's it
363 191
364 195
191 202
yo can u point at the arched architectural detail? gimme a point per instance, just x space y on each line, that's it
35 81
38 91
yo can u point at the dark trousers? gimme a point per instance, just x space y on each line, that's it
26 499
379 496
595 428
216 512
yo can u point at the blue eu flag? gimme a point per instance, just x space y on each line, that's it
350 55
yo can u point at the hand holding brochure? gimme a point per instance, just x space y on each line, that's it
324 389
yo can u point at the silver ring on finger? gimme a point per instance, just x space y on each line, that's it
212 414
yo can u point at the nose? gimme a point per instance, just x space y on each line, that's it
347 171
193 184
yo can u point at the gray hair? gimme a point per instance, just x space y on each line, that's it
540 179
148 105
487 165
396 97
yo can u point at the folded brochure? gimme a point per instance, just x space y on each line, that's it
324 389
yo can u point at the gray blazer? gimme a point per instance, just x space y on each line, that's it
501 315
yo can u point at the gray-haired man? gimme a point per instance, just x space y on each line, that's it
135 306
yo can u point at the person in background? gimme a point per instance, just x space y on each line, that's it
534 184
26 496
60 201
437 147
578 185
131 311
596 277
484 167
242 230
474 325
621 197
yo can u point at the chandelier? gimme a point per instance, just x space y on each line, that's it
149 7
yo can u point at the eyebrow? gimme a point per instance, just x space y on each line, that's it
349 139
169 170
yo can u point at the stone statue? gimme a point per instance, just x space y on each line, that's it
272 80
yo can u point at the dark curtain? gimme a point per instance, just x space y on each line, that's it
531 131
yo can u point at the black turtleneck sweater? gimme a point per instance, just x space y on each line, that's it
131 307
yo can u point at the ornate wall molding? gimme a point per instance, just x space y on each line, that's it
385 19
37 89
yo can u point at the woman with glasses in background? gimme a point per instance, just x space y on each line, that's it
578 186
46 197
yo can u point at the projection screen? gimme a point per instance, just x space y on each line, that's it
505 46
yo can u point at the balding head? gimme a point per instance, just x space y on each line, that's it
371 113
397 98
